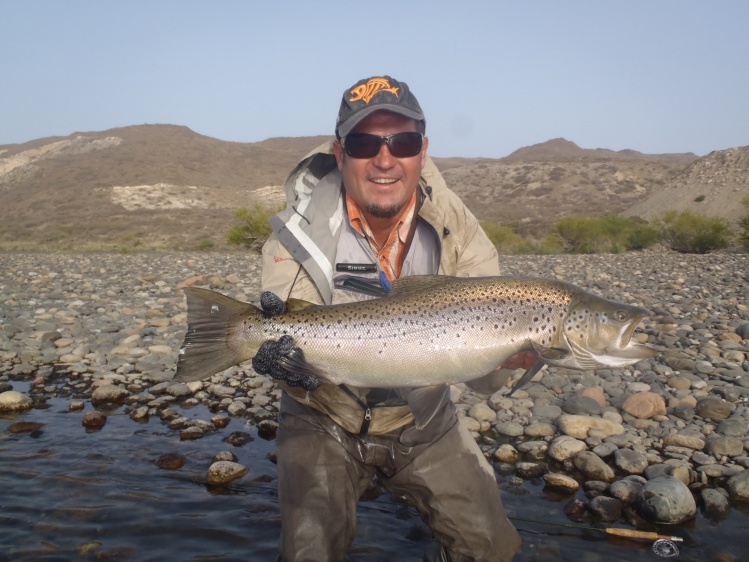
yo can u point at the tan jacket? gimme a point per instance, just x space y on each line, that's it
299 257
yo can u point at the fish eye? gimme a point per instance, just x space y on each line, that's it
620 315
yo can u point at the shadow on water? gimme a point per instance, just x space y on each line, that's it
71 494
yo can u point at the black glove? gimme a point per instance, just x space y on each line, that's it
272 304
266 362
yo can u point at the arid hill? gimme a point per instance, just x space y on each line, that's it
165 186
714 185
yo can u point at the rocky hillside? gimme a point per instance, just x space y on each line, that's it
714 185
165 186
535 186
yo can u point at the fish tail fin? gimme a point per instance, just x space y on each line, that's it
206 349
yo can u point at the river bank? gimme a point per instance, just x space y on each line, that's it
98 330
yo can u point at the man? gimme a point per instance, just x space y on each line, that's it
371 205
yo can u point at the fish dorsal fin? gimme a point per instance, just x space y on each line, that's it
413 283
295 305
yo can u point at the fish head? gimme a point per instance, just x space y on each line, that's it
598 332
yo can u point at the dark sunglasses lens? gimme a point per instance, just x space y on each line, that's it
361 145
401 145
405 145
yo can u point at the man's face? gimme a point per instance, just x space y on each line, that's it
383 184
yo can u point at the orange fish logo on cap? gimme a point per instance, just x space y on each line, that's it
367 91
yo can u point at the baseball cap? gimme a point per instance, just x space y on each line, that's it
379 93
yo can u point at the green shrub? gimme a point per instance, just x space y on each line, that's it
254 229
692 233
509 242
744 225
609 233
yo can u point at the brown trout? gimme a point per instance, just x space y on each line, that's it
430 330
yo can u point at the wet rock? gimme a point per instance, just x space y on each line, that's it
627 491
510 429
561 482
224 456
76 406
644 405
94 420
171 461
666 500
109 393
267 429
238 438
606 508
715 503
191 433
593 467
220 421
223 472
13 401
575 510
507 453
529 470
25 427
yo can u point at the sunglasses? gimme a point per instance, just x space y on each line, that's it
401 145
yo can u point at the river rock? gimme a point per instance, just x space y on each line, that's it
713 408
561 482
109 393
594 392
733 427
223 472
715 503
579 426
583 405
738 486
507 453
13 401
644 405
593 467
565 447
681 440
630 461
725 446
94 420
626 490
666 500
606 508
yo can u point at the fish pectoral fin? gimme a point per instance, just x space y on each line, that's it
527 376
550 355
425 402
294 362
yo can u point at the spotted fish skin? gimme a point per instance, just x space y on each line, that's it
430 330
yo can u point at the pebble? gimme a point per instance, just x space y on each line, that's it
116 340
12 401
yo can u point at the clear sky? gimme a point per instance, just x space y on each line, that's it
493 76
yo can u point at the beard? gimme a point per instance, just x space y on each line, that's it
384 211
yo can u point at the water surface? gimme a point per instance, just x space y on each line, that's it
67 493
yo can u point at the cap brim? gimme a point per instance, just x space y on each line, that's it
350 124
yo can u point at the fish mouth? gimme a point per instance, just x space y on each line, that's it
625 348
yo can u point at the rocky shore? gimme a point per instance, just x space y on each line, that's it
651 443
